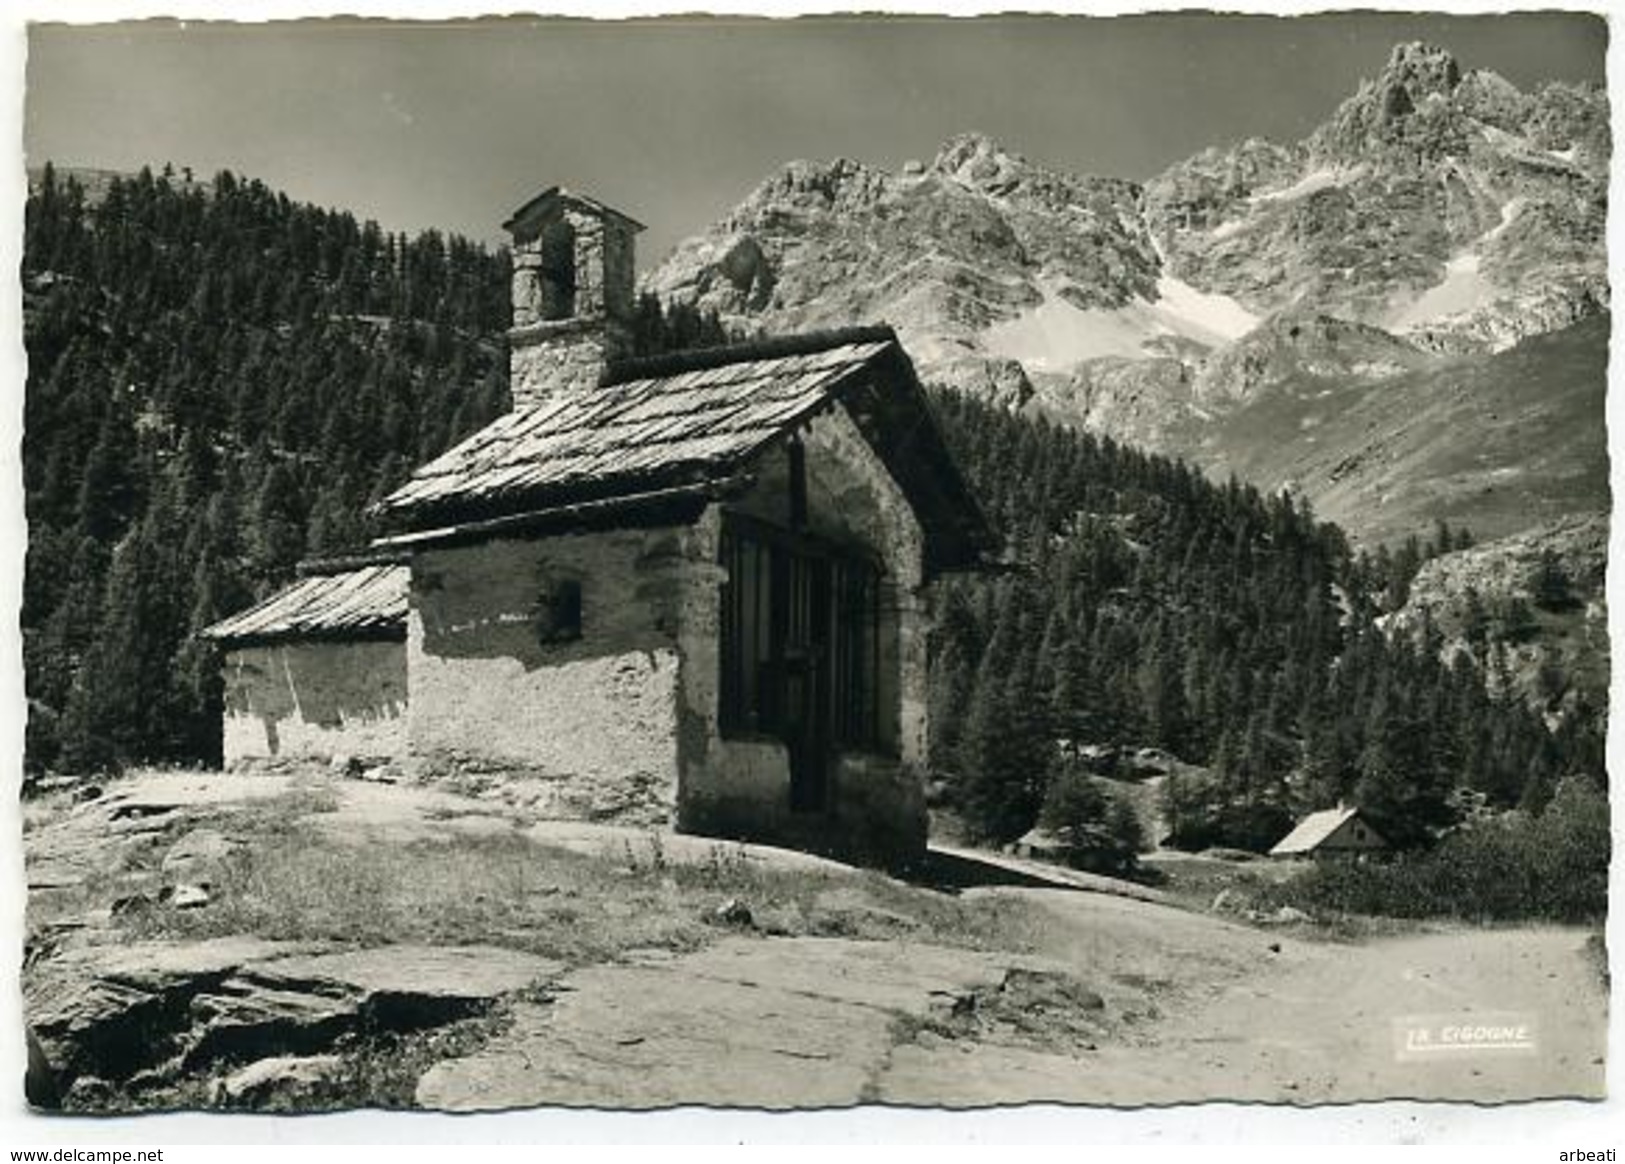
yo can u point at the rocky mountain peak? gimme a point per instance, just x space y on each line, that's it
838 184
1421 69
1436 212
1444 204
1407 110
977 160
1492 99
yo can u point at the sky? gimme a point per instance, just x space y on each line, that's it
452 125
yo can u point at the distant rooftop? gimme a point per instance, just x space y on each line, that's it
558 195
1313 830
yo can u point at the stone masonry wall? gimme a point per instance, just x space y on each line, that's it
316 700
550 355
561 359
586 728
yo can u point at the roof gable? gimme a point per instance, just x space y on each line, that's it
1316 829
555 199
696 419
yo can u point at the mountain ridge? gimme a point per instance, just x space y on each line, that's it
1437 214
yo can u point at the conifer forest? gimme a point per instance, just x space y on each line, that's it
221 381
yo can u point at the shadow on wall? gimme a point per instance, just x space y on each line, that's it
315 698
549 604
325 685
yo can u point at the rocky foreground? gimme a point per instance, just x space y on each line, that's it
444 952
290 941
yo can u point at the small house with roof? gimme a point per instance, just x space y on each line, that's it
1331 831
318 670
687 591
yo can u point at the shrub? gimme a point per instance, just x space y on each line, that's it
1101 828
1202 814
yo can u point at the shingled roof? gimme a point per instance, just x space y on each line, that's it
1314 830
693 421
368 602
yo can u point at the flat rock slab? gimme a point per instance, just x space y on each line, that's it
898 978
92 837
621 842
778 1023
114 1010
156 964
997 868
106 1009
437 971
157 793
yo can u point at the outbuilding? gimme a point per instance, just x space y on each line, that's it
318 669
1331 831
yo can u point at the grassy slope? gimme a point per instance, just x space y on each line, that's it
319 862
1497 443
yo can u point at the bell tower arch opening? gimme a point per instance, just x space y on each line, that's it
556 270
573 301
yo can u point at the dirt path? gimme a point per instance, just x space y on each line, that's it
829 1023
1325 1023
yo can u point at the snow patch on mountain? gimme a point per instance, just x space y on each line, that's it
1321 178
1206 316
1464 289
1056 334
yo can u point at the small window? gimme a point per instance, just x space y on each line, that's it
558 612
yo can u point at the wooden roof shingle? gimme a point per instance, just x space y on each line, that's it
693 419
630 435
369 602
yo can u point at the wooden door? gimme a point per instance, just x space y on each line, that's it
799 650
803 600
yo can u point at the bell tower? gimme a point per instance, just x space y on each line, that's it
572 295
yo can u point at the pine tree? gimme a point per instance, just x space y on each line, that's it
117 711
278 529
1162 686
1006 753
1550 588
